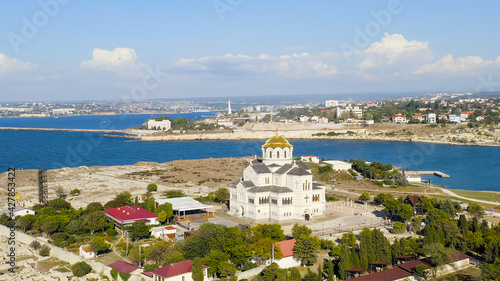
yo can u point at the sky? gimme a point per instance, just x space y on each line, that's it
68 50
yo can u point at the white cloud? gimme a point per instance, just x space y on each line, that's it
303 65
395 50
8 65
119 58
471 65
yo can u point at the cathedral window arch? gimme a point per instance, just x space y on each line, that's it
277 154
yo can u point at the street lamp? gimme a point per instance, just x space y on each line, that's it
339 227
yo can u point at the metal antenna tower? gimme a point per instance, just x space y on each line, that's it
43 189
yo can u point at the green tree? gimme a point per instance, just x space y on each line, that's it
310 275
59 204
197 270
138 230
416 223
152 187
349 239
95 221
25 222
421 271
306 250
400 180
399 228
98 245
475 210
366 256
81 269
272 231
365 196
214 260
405 212
162 216
300 230
75 192
112 204
490 272
221 195
124 198
439 254
269 273
295 274
167 208
93 207
344 260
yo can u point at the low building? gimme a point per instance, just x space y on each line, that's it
225 122
310 158
187 209
338 165
164 232
18 211
287 260
399 118
410 177
124 267
431 118
127 215
86 253
164 125
179 271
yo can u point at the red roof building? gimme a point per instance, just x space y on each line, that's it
177 271
286 247
126 215
124 267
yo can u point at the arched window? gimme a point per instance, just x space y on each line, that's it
270 154
277 154
284 152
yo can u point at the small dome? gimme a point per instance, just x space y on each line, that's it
277 141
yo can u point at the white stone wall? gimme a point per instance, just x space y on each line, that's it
59 253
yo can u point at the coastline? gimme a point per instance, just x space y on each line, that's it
292 131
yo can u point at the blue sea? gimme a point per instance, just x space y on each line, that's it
470 167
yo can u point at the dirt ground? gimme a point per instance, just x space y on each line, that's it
101 184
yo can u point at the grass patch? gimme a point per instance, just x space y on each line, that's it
481 195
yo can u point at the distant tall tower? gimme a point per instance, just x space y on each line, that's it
229 108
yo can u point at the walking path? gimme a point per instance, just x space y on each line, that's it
451 193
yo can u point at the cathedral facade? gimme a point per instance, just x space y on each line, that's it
277 188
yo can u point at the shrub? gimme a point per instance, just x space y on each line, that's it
114 273
330 197
75 192
81 269
249 265
399 228
111 232
124 276
152 187
325 169
44 251
35 245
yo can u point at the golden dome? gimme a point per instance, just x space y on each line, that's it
277 141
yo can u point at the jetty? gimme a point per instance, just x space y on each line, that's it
63 130
436 173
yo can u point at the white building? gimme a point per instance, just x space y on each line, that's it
164 125
356 112
338 165
276 187
18 211
309 158
431 118
86 253
399 118
331 103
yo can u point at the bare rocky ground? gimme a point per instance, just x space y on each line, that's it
101 184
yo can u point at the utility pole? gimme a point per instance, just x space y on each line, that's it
126 250
272 254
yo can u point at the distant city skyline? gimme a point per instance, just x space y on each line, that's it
93 50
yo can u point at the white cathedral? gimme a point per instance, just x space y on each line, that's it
277 188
